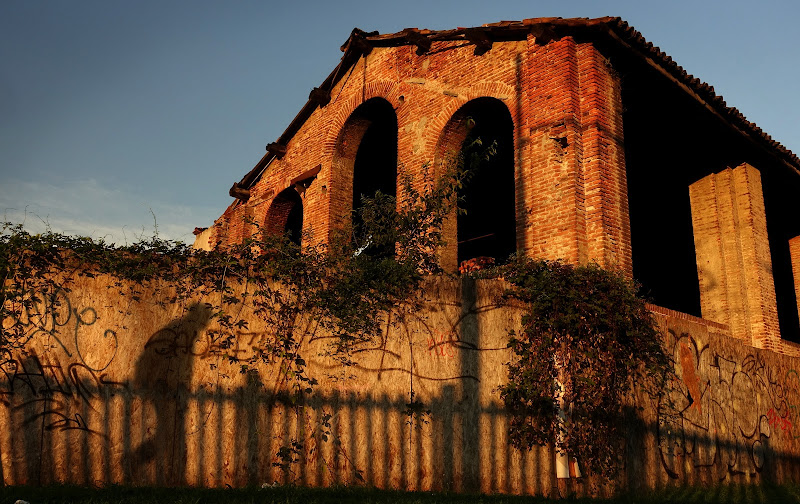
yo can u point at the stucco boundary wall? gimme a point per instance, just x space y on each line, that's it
98 397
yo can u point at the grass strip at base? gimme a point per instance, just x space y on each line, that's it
254 495
69 494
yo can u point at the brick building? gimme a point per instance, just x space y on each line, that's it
608 151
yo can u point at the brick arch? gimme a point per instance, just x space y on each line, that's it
344 177
488 228
498 90
285 215
444 130
374 89
438 124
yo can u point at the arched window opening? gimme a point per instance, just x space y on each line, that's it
365 160
487 227
375 166
285 215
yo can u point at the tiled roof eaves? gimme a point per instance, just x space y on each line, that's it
616 29
626 34
350 56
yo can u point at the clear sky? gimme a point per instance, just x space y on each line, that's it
114 110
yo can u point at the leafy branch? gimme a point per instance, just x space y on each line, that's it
586 340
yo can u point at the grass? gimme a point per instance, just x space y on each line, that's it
734 494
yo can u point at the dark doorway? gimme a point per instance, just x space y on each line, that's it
365 164
375 164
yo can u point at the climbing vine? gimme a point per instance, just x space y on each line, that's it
346 286
586 340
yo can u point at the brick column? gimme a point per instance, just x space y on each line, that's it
734 265
573 164
608 229
552 175
794 251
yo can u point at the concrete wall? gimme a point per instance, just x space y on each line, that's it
98 396
731 415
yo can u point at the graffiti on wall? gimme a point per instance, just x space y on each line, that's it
70 368
443 344
724 413
56 321
49 386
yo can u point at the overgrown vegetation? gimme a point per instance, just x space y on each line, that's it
586 341
346 286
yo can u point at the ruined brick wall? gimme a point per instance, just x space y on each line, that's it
734 263
563 98
150 398
734 260
570 187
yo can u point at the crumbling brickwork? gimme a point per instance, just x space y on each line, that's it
733 259
565 103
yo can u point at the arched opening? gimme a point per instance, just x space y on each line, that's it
366 158
488 225
375 166
285 215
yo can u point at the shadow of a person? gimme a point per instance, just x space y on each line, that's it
162 378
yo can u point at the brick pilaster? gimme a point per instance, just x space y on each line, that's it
552 172
573 176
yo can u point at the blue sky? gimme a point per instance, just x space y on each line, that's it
114 111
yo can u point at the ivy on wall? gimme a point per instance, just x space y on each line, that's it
586 341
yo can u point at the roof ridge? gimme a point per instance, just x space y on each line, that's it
360 42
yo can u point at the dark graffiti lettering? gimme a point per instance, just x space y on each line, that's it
39 313
43 315
720 412
87 317
44 380
46 376
53 416
174 342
